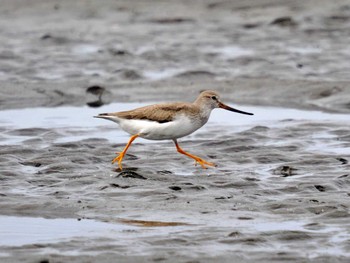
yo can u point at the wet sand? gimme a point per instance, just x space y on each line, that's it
281 188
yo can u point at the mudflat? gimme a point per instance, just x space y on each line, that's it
281 189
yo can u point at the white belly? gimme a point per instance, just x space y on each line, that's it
152 130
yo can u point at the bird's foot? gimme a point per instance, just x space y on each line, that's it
121 155
119 159
203 163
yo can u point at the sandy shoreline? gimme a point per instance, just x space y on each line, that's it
281 190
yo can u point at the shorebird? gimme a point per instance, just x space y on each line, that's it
168 121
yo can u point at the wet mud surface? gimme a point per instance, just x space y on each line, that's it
277 190
281 190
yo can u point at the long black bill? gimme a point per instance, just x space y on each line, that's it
223 106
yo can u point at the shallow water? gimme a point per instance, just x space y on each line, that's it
78 123
21 231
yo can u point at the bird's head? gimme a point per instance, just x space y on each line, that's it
211 99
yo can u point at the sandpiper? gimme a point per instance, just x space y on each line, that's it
168 121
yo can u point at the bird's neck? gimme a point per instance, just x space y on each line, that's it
204 114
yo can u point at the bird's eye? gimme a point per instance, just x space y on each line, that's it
214 98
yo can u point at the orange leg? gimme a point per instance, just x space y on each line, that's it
196 158
121 155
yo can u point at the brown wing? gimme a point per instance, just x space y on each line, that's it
161 113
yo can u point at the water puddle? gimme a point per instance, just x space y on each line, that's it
163 74
304 50
19 231
230 52
85 49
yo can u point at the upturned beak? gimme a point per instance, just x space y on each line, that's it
223 106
